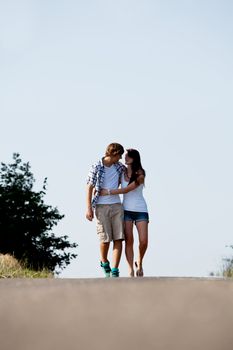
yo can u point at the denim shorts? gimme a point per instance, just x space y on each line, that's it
135 216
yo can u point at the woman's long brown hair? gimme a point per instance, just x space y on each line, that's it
137 168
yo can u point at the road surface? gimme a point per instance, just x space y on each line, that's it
116 314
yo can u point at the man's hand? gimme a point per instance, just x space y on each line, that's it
89 214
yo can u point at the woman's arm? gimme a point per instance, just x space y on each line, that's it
127 189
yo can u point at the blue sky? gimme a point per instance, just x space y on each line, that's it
152 75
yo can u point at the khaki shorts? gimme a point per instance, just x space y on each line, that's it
109 222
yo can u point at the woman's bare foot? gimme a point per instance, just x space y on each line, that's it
139 270
131 273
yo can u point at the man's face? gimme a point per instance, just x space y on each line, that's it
116 158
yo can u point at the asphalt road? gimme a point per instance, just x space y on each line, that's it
110 314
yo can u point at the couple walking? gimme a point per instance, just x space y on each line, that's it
115 220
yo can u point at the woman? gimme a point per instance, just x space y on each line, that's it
135 209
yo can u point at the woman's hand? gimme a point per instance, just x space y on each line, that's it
104 192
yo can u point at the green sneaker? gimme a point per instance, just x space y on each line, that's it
106 268
115 272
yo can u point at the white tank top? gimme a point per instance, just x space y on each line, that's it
133 200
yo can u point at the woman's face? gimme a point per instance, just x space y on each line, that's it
128 160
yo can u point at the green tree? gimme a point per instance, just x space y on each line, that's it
26 221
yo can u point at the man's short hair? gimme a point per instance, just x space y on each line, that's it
114 149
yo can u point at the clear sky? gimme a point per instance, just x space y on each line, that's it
153 75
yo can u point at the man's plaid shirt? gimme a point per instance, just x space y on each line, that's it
96 177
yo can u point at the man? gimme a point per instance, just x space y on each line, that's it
106 173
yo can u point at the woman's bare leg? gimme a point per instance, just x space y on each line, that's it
142 227
129 246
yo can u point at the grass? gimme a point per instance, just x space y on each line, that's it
12 268
226 269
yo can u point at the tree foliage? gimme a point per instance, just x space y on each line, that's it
26 221
228 266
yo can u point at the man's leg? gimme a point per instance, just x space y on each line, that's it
117 250
104 263
104 229
117 236
104 247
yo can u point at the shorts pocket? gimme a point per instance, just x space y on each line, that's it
100 228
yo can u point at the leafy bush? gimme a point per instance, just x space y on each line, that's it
26 221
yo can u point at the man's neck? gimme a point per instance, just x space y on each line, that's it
107 161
